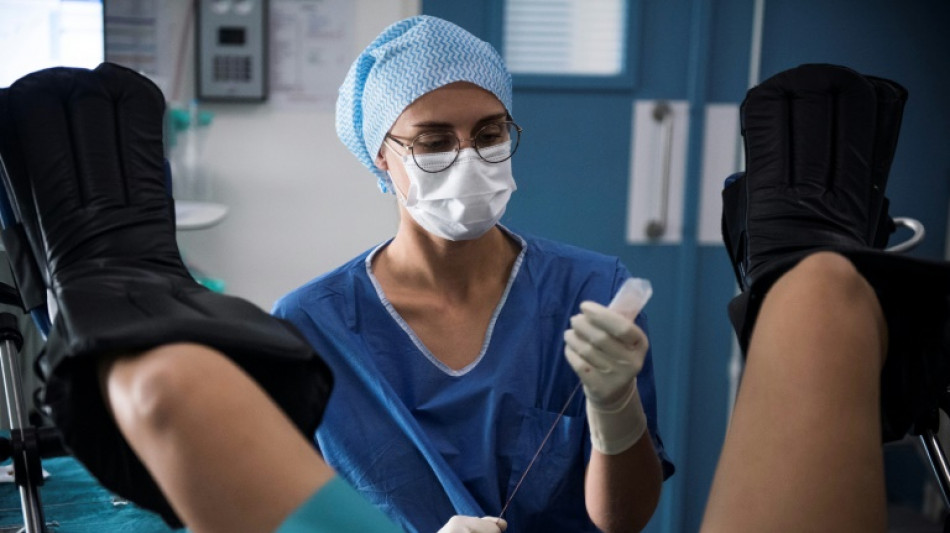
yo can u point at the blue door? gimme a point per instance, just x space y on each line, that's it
574 165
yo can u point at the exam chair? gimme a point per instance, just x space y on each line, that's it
32 438
823 138
93 232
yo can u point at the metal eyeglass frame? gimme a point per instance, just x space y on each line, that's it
458 145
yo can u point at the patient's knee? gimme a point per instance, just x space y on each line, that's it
150 391
825 291
829 276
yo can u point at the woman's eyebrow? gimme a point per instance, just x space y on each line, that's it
448 125
493 118
432 124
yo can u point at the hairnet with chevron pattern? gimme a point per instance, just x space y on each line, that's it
407 60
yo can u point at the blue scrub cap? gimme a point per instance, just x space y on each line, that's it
407 60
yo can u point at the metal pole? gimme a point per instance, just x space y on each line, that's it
29 493
939 463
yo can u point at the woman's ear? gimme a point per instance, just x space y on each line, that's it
381 162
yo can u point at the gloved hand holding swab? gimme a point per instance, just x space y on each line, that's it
606 349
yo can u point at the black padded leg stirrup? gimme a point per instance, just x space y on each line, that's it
85 160
819 144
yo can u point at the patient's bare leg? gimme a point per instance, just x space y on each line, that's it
211 438
803 450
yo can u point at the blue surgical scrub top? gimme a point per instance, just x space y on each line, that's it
424 442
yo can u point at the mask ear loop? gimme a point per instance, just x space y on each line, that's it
399 195
403 198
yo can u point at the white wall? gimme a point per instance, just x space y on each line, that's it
299 202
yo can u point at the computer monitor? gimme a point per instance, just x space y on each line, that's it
37 34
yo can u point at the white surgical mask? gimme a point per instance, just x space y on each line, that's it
463 201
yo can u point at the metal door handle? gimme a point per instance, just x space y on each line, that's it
663 113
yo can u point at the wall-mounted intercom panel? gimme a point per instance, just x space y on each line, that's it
231 46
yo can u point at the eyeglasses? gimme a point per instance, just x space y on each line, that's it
435 151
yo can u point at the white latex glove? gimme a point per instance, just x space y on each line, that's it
471 524
606 350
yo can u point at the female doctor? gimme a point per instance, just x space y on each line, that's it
448 342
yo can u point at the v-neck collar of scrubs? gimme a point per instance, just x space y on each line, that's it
412 334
